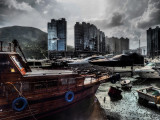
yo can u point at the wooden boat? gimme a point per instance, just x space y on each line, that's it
147 94
26 94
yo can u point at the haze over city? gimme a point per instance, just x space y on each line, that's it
119 18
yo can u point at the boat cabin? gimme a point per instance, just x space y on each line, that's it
16 72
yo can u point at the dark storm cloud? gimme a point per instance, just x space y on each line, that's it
135 8
151 16
121 18
122 12
9 10
35 13
116 20
130 16
2 10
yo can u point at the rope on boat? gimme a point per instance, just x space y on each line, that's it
20 94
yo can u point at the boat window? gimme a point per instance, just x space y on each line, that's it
71 81
158 64
30 63
65 81
5 65
18 65
41 85
53 83
17 62
38 63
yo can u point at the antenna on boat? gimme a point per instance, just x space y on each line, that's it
16 44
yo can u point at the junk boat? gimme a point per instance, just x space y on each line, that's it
26 94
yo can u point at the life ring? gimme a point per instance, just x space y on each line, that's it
69 96
19 104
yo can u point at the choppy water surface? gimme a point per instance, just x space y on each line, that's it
128 107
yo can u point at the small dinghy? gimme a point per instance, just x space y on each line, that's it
126 84
115 93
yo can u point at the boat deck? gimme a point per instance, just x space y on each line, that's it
41 72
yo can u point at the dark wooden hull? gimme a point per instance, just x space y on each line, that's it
41 108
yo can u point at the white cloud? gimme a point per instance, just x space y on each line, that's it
19 6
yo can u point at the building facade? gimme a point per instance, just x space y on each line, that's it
117 45
142 51
57 35
88 38
153 42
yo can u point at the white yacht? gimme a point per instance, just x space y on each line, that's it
151 70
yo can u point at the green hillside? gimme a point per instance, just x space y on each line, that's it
32 40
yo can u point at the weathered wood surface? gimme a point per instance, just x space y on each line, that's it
44 92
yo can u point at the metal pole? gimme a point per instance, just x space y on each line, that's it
9 47
1 43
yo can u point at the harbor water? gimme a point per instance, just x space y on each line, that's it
128 107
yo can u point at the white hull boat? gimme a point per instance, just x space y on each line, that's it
150 71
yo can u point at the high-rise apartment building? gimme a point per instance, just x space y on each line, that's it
153 42
57 35
88 38
116 45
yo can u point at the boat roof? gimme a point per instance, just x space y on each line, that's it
8 53
37 72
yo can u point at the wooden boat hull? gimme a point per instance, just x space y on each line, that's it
26 94
47 106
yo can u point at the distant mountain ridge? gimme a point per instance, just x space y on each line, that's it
33 41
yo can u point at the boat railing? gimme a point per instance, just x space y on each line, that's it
48 86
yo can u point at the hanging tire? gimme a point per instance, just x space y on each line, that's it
19 104
69 96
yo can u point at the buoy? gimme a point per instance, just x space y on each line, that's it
19 104
69 96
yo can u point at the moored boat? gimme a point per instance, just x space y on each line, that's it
36 94
150 71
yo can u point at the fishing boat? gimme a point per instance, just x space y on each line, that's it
27 94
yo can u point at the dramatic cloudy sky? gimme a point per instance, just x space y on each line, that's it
119 18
